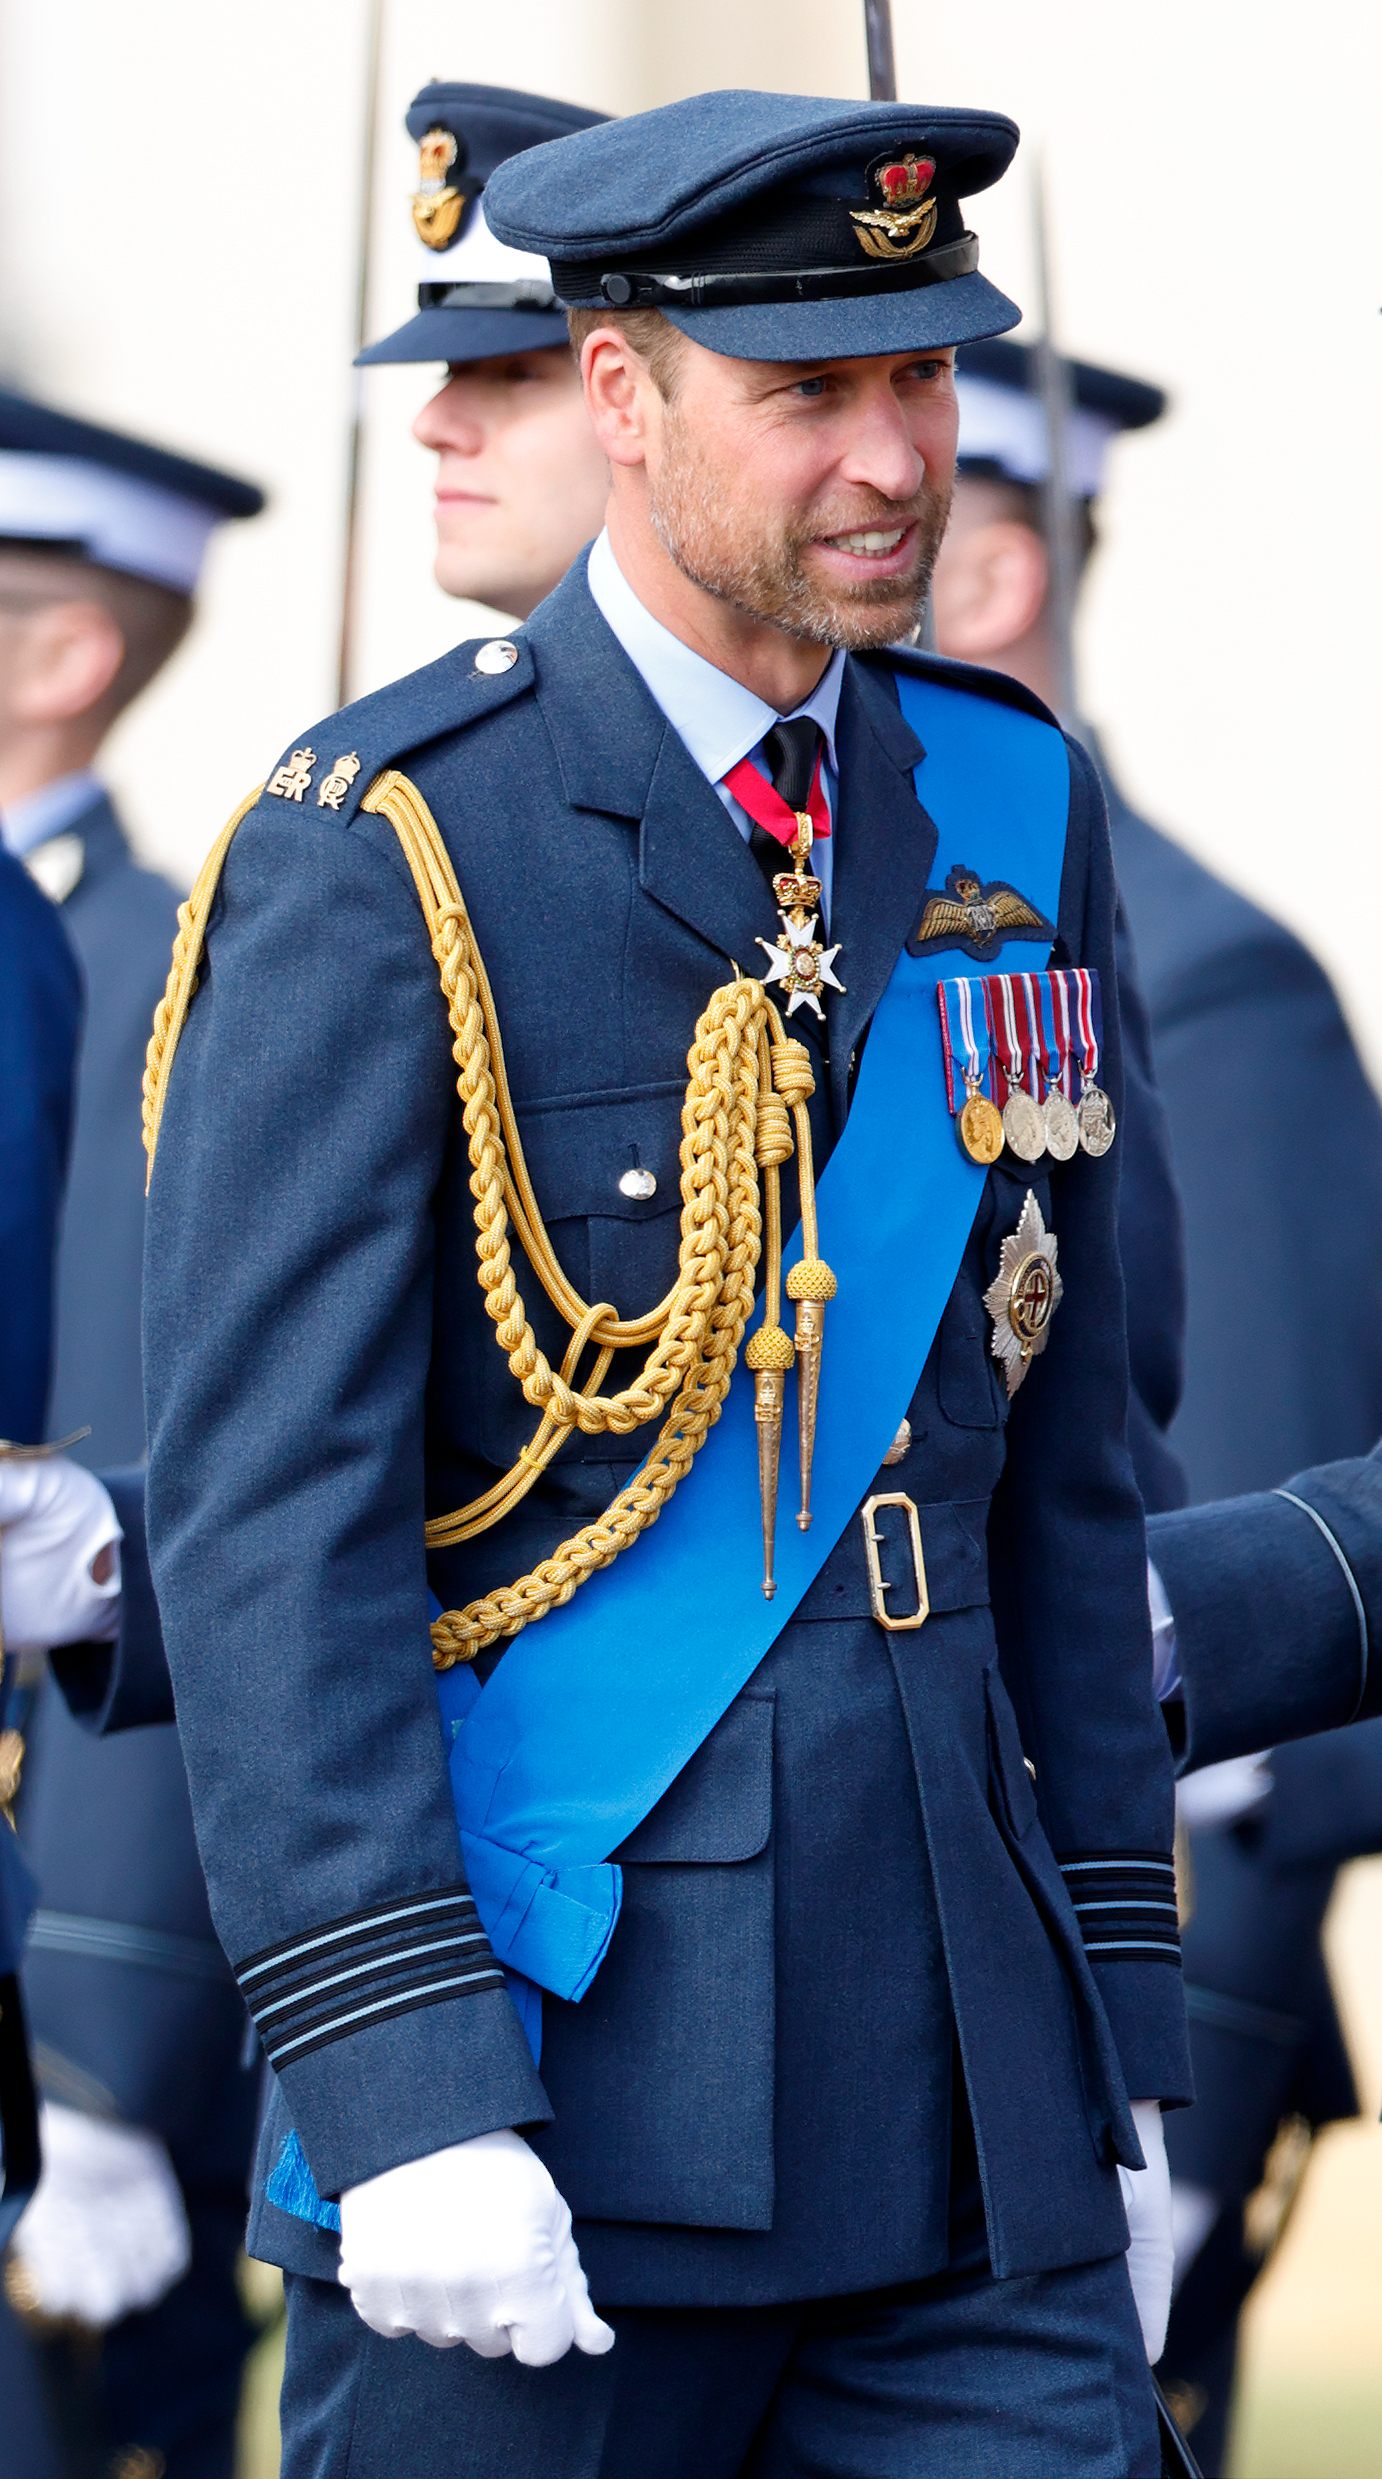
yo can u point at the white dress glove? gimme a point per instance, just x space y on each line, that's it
1147 2203
471 2244
106 2231
55 1519
1194 2211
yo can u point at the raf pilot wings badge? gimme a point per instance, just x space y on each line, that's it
976 917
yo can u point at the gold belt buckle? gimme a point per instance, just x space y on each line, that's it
877 1583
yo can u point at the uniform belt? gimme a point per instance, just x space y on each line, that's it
954 1541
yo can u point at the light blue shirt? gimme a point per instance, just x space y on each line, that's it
40 815
718 718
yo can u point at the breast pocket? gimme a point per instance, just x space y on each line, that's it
607 1175
662 2077
967 1384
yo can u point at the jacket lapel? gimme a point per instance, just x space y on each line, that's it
617 753
882 862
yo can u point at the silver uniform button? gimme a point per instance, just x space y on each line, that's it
639 1183
498 655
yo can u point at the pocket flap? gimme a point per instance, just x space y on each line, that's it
720 1807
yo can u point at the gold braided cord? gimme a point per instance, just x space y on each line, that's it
171 1012
744 1076
700 1324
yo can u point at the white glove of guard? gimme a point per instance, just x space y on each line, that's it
106 2231
1194 2211
1147 2203
471 2244
55 1519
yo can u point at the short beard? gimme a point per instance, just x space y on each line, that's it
711 539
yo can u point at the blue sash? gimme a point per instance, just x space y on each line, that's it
594 1710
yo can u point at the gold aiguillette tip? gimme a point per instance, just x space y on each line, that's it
810 1284
769 1355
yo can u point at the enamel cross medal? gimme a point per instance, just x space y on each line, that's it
800 963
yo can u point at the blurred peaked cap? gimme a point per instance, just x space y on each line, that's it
776 227
122 502
1003 420
476 298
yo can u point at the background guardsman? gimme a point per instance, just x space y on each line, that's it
40 1017
102 539
521 479
841 1811
1240 1008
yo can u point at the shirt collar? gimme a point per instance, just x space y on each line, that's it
39 816
717 717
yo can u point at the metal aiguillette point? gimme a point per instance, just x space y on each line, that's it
770 1355
810 1284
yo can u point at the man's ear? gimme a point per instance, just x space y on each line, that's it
621 395
990 589
70 656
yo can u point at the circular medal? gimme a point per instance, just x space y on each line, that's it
1031 1301
1023 1126
1062 1126
1096 1120
981 1129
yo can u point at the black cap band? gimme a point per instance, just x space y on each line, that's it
519 296
629 288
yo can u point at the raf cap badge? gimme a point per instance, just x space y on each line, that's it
1024 1295
976 917
904 219
438 204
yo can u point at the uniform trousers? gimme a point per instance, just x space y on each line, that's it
957 2377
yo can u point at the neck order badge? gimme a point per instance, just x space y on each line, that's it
592 1713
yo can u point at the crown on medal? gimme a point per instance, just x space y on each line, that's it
792 887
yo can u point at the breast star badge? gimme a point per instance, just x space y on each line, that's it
1024 1295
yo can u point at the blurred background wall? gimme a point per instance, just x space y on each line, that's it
179 212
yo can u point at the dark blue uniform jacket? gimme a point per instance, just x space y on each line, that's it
1277 1140
40 1019
856 1869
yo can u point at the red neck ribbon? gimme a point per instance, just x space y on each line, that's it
768 809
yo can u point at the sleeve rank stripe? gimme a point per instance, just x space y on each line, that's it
336 2027
1166 1950
365 1947
375 1967
371 1921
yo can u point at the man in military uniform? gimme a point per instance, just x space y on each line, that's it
138 2024
1234 997
770 1886
521 479
40 1019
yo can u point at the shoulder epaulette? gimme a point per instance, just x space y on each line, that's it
366 738
972 677
332 766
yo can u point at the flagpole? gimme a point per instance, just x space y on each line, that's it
374 33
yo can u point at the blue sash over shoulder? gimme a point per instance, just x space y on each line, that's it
594 1710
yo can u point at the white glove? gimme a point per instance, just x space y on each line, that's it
55 1520
1147 2203
106 2231
471 2244
1194 2211
1224 1793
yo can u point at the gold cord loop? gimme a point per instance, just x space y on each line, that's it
744 1077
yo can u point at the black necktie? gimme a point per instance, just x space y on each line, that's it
791 749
